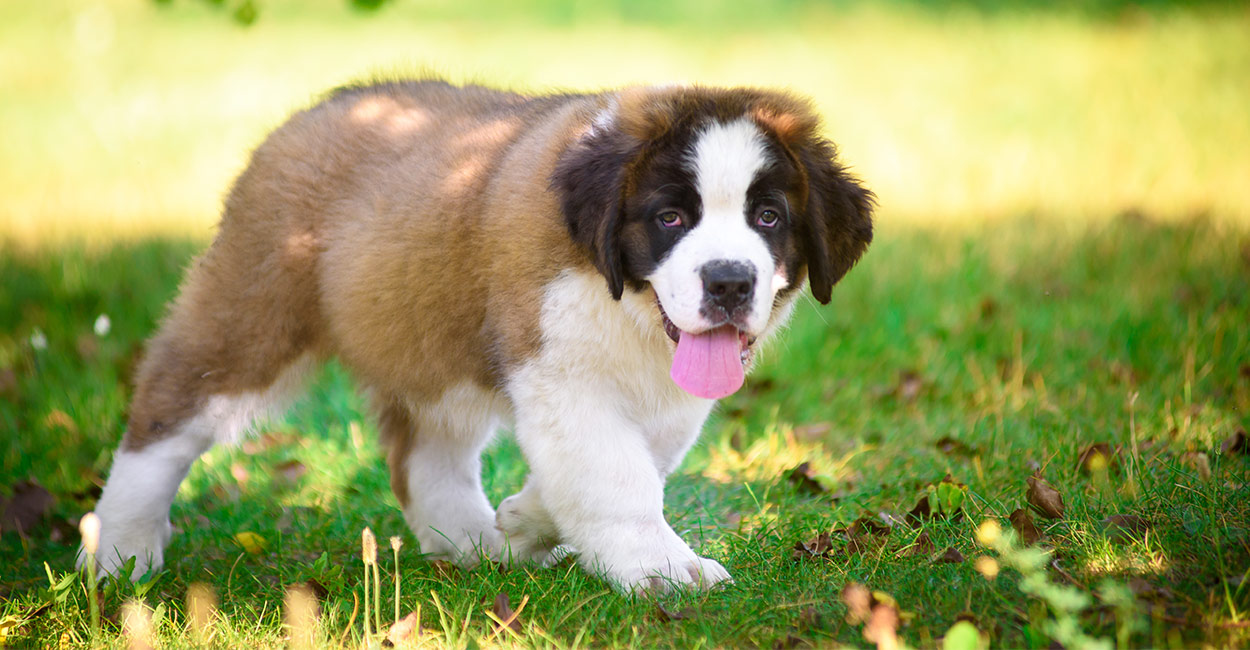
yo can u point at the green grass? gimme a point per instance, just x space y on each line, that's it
120 118
1029 340
1063 258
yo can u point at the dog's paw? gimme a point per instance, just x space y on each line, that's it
530 536
697 572
464 549
118 543
645 564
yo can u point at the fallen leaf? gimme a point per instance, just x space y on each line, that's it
1199 462
909 386
1236 443
22 511
59 419
1244 371
1022 523
952 447
921 513
251 542
791 641
667 616
1097 458
403 630
508 617
803 479
240 474
921 546
291 470
1123 527
8 382
867 526
1045 499
950 556
818 546
444 569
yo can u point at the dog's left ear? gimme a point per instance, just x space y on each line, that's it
838 218
589 179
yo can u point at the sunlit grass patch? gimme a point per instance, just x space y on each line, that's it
951 118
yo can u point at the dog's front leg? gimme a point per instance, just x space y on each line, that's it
598 480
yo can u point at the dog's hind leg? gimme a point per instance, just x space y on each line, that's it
434 455
235 346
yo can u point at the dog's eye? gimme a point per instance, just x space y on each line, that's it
669 218
767 218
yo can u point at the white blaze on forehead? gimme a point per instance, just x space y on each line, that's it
725 160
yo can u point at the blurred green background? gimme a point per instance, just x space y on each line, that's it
126 118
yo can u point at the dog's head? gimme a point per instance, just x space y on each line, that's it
721 201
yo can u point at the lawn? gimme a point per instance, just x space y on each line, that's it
1062 260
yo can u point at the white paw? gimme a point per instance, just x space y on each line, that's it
118 543
464 548
695 571
530 536
649 565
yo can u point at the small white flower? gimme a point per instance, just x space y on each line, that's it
38 340
102 325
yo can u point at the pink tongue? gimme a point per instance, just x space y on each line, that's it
709 365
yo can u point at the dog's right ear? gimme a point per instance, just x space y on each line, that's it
589 179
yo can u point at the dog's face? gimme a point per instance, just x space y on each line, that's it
721 202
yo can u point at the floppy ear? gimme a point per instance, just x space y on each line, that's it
589 180
838 220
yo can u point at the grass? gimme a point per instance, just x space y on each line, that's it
1063 259
121 119
1028 343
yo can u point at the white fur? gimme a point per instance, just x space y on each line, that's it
447 509
601 426
134 507
725 159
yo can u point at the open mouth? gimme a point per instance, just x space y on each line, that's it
712 363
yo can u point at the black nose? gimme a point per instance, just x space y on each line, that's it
727 284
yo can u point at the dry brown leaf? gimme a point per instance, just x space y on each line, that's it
920 514
503 609
403 630
8 382
803 479
952 447
1236 443
1022 523
291 470
950 556
22 511
909 386
444 569
922 546
1098 458
1123 527
1044 499
667 616
818 546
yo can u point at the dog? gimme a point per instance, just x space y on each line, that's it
590 270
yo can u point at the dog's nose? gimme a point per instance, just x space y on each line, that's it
727 284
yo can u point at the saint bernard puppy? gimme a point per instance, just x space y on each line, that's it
590 270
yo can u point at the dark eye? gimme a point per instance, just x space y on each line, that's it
767 218
669 218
